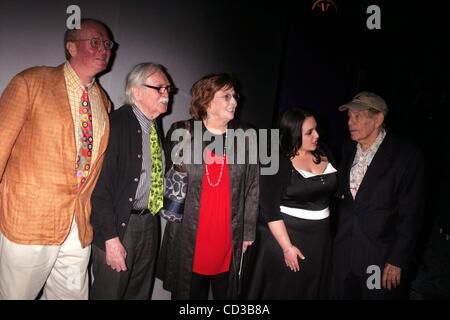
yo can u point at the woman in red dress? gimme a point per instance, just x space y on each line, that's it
204 250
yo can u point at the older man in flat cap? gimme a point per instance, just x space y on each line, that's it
382 191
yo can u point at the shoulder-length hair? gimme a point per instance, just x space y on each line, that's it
291 131
203 92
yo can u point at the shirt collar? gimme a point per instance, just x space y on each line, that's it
145 122
375 145
73 78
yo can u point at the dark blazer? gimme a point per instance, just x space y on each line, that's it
381 224
177 251
113 196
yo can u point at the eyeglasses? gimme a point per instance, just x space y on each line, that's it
95 43
228 97
169 89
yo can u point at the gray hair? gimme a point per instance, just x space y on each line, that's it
137 77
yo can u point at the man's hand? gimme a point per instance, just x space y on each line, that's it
391 276
115 254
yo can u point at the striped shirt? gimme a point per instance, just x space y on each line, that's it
143 189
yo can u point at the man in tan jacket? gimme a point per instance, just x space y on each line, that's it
54 135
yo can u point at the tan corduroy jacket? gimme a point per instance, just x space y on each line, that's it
39 193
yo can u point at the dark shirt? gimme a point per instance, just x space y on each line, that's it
313 193
114 194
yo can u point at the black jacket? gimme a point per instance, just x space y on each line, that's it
114 193
382 223
177 252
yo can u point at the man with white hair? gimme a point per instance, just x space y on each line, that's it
129 193
381 182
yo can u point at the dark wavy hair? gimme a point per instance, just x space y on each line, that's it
203 92
291 129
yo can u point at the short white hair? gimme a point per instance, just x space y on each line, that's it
137 77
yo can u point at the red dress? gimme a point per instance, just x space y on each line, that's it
213 247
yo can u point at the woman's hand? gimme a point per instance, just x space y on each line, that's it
245 245
291 256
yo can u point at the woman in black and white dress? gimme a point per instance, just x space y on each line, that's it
292 248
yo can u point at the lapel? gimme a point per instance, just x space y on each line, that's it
234 171
346 168
195 168
380 162
60 97
105 111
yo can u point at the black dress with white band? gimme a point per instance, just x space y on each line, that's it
301 199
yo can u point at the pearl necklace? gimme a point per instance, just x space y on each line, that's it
221 167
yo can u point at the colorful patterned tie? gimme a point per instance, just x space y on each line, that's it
155 198
86 139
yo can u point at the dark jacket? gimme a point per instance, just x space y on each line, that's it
381 224
113 196
177 252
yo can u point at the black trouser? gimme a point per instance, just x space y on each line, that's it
200 286
354 287
141 240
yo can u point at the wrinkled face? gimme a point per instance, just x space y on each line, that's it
363 126
88 60
150 100
223 105
310 137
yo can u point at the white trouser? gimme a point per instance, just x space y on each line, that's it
60 269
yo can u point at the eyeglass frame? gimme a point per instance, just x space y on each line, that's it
100 41
228 96
169 89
